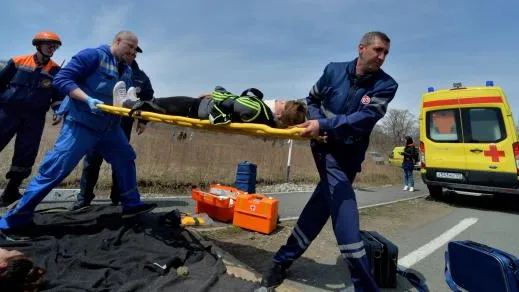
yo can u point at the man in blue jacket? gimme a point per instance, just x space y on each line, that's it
26 93
88 80
94 159
344 105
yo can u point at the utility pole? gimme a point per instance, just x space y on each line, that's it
290 143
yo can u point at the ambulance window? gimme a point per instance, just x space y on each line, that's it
443 125
483 125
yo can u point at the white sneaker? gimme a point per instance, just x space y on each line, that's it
119 93
411 189
131 94
405 188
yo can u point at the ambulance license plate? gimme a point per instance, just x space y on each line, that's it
449 175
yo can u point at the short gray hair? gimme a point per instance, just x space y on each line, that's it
125 34
370 37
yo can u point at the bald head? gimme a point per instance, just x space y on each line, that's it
124 46
125 34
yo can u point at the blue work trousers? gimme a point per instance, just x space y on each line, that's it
333 197
92 166
73 142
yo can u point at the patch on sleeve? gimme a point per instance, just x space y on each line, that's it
365 99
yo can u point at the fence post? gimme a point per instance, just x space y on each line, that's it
289 159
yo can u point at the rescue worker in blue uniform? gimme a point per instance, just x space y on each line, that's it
93 160
26 93
88 80
344 106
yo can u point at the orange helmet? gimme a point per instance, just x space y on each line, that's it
46 36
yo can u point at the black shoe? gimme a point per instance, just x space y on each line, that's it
24 233
140 209
115 201
274 276
9 197
79 205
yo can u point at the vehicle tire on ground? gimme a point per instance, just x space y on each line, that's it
435 191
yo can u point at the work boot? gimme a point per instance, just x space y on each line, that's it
274 276
9 197
24 233
139 209
11 193
115 201
79 205
218 117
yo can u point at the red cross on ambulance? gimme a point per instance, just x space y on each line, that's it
494 153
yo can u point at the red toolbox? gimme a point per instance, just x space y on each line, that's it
218 208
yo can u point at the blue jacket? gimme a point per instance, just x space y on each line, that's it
348 107
95 71
26 85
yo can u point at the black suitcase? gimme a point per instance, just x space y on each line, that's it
382 256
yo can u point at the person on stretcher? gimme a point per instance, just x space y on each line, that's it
221 107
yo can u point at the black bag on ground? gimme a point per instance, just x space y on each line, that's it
383 258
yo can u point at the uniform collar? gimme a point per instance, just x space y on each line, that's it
352 73
35 57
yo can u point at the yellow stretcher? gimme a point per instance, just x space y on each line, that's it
235 128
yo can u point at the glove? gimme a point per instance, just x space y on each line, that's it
92 104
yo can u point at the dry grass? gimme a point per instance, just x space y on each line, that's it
165 163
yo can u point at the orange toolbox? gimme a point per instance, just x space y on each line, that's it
214 203
256 212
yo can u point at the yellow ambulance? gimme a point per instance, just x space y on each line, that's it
468 141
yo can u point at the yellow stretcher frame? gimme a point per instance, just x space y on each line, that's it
249 129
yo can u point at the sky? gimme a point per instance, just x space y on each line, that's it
282 46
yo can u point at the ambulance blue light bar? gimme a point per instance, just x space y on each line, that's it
430 89
489 83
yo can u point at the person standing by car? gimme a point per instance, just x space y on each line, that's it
410 158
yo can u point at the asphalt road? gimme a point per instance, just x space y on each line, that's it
290 204
494 223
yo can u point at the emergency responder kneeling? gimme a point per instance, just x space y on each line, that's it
26 93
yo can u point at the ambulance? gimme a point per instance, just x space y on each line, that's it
468 141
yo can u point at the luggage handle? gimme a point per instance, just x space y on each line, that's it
493 250
482 246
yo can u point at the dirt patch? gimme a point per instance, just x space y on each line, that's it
256 250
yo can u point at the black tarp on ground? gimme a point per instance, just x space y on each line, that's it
96 250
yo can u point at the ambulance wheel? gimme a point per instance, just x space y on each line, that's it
435 191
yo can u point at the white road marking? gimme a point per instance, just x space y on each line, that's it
427 249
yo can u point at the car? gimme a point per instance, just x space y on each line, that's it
468 141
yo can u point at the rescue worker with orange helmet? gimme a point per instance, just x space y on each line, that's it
26 94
